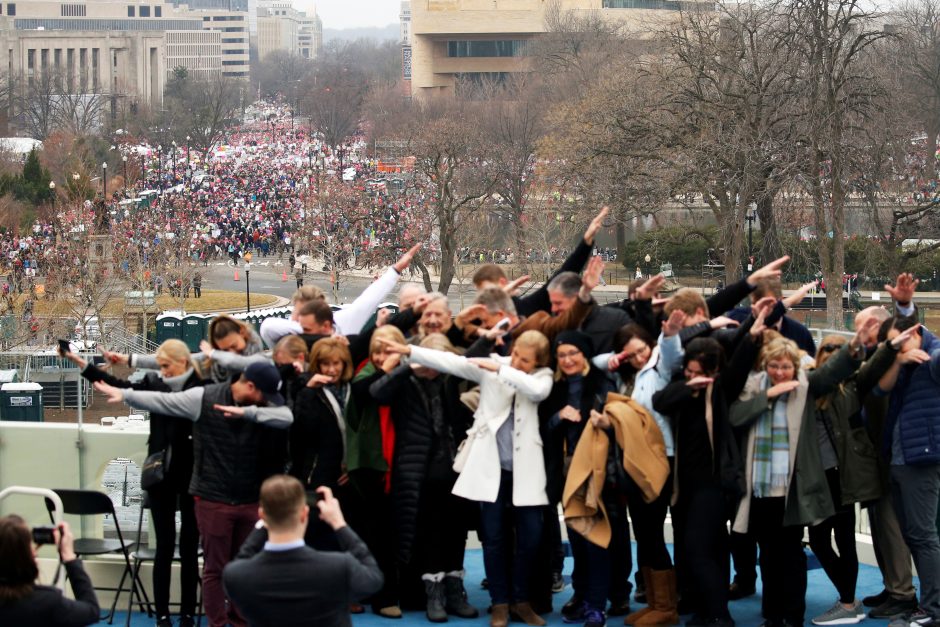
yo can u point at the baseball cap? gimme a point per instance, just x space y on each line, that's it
267 379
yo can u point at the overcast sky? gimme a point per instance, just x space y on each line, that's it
353 13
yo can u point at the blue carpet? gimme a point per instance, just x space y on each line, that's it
820 596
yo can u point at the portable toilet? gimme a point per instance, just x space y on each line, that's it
21 402
169 326
195 328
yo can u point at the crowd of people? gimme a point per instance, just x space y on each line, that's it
426 425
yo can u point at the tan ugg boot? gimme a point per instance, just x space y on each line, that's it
631 619
499 615
524 612
665 599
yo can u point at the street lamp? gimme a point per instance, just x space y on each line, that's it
104 179
188 171
160 167
52 193
750 217
647 259
174 162
247 287
124 160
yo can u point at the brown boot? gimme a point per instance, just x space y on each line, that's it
665 599
650 596
524 612
499 615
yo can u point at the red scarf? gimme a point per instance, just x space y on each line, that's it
387 428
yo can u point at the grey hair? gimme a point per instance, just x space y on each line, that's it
568 283
496 299
436 296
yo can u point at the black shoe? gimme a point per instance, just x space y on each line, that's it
573 611
187 621
619 608
892 608
435 607
455 598
164 621
558 583
876 599
738 591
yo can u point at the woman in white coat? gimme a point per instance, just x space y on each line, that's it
504 437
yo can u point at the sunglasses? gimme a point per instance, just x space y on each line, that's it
828 348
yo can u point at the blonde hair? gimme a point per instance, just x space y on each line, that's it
307 293
830 340
387 332
291 345
176 350
537 341
331 348
780 348
688 301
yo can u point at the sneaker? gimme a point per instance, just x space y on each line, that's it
164 621
574 611
839 615
876 599
558 583
894 608
594 618
917 618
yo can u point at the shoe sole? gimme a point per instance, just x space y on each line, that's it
841 621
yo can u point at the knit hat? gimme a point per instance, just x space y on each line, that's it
578 339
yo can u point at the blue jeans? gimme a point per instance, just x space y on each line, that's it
497 543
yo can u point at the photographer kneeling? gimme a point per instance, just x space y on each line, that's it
24 602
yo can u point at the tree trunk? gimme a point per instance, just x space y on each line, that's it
425 275
770 245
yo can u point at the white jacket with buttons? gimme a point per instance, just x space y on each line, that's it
499 391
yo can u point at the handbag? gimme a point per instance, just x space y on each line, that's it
155 469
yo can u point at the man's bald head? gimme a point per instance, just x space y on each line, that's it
874 312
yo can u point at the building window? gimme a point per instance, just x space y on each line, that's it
131 10
11 8
158 11
498 48
663 5
72 10
144 11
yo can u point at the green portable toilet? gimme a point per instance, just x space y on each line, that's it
169 326
195 328
21 402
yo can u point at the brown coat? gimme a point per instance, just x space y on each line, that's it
644 459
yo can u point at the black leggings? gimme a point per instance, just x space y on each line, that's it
648 520
842 569
163 506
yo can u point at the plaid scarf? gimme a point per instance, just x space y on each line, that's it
771 470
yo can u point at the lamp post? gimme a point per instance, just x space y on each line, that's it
647 259
52 193
750 217
160 167
104 179
174 162
189 172
124 160
247 287
143 169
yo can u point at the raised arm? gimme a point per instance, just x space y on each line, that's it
386 388
350 319
443 361
536 387
185 404
273 329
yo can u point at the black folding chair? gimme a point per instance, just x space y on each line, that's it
94 503
144 553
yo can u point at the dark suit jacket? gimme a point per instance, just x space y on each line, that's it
301 586
46 606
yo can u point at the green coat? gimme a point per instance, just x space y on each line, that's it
859 468
363 427
808 500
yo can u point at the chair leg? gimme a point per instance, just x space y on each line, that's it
117 593
130 598
146 606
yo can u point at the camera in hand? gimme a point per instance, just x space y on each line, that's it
44 535
64 347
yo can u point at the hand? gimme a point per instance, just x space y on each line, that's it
420 303
599 420
115 395
797 297
391 363
698 383
615 360
903 291
319 380
65 541
916 356
674 324
299 366
395 347
864 331
116 358
206 348
592 277
771 271
595 226
759 325
342 339
767 301
405 260
468 314
782 388
650 288
904 336
720 322
230 411
513 286
382 316
495 334
484 363
570 414
330 512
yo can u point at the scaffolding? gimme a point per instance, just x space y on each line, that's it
713 276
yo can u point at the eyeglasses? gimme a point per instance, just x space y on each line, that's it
568 355
828 348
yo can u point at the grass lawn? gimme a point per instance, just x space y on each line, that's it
211 301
